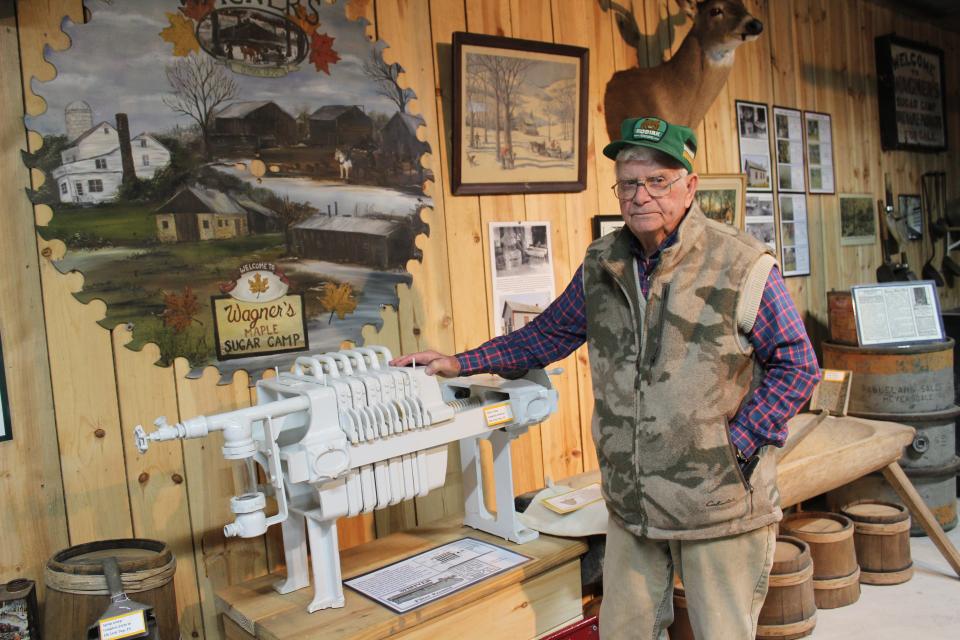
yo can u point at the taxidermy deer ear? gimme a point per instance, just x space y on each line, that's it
689 7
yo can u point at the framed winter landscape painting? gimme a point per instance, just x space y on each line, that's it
519 115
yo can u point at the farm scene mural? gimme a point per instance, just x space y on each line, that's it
190 142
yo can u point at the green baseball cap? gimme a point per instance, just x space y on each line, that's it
674 140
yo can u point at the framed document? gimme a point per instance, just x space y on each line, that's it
896 313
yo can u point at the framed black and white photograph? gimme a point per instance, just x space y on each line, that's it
911 91
606 223
788 147
754 135
519 121
858 219
819 136
5 432
760 221
909 213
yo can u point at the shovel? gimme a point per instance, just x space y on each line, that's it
124 618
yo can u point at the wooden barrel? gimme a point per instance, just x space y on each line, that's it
836 575
680 628
882 539
77 592
789 610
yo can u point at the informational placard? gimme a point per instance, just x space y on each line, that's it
754 145
245 329
897 313
788 146
794 237
431 575
910 90
5 433
819 133
574 500
125 625
759 221
523 283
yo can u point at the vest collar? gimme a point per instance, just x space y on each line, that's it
619 255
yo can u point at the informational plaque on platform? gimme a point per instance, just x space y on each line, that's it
897 313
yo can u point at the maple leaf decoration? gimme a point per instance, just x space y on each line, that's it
322 53
197 9
258 284
180 34
180 309
302 19
338 299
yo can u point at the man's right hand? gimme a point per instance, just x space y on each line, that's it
437 363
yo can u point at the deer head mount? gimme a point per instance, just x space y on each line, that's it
681 89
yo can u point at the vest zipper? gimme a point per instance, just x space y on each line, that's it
664 297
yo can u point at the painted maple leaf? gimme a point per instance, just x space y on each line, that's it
179 309
304 20
321 52
338 299
258 284
180 34
197 9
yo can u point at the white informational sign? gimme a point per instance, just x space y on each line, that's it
123 626
436 573
919 101
794 238
754 145
522 272
759 221
897 313
819 151
788 147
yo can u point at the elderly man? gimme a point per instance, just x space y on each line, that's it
698 358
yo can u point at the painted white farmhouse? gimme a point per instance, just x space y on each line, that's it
92 170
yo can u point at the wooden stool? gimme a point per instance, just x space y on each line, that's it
836 575
882 539
789 610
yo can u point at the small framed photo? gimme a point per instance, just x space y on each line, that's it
519 115
858 219
5 432
720 196
604 224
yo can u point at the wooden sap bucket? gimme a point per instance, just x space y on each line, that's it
836 575
680 628
789 610
77 590
882 539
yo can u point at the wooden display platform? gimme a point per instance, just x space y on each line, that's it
530 601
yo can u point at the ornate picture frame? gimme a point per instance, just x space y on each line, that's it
519 116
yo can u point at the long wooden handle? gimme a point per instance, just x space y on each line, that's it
905 489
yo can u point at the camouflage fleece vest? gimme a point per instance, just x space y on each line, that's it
668 374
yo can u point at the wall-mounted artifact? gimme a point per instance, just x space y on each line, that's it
5 428
910 212
818 131
760 221
519 115
606 223
681 89
911 85
185 140
754 134
720 196
858 219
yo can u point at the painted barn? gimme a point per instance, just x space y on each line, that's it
376 243
517 315
196 213
260 219
399 139
251 125
92 170
340 126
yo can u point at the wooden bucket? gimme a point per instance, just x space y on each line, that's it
789 610
836 575
882 539
680 628
77 590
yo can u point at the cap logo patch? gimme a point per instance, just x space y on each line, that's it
651 129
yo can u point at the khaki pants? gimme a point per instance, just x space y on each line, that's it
725 580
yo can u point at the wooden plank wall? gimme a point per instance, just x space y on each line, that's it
80 478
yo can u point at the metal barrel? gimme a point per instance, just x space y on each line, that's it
912 385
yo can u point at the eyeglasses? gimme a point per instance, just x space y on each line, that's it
657 186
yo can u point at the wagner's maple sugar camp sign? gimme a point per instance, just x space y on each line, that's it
183 138
919 101
257 315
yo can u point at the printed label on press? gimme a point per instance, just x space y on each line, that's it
498 414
